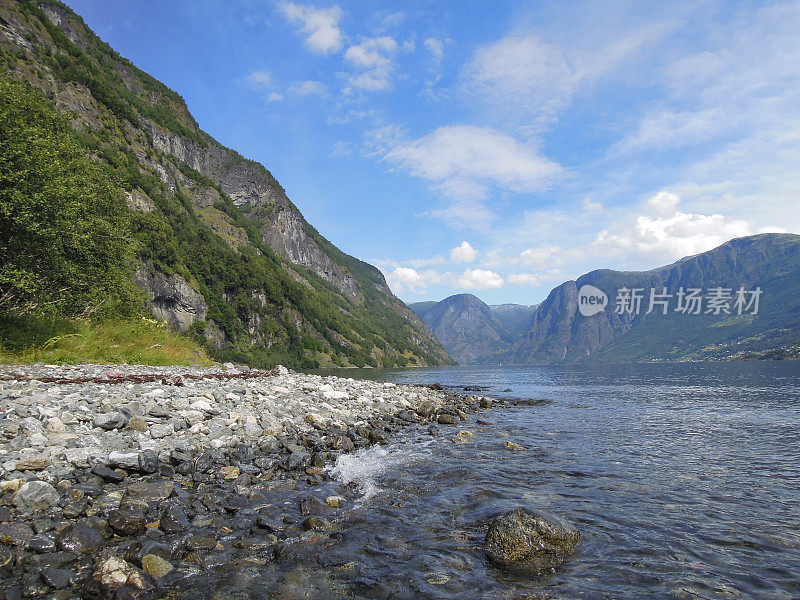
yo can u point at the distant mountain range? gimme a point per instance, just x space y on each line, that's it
740 300
472 331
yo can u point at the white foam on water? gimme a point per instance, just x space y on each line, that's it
364 467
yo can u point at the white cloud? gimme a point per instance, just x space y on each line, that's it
373 58
525 76
464 213
523 279
463 160
463 163
406 278
308 88
549 256
479 279
435 47
666 233
523 70
592 206
463 253
275 97
321 26
535 279
342 148
259 80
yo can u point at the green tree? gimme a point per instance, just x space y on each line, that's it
65 243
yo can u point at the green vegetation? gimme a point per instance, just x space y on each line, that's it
70 244
64 236
132 341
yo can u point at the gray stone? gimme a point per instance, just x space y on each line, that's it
147 491
36 496
111 420
126 460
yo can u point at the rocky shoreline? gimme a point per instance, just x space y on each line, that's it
125 481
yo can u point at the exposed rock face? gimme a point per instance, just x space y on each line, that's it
249 183
171 299
465 326
531 542
771 262
189 192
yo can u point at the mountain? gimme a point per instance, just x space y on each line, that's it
770 262
220 250
515 318
465 326
470 330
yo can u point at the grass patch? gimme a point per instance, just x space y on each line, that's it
139 341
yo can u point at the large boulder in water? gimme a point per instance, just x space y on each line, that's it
527 541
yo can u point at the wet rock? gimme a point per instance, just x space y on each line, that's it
36 496
79 538
127 520
200 541
107 474
42 543
334 501
173 520
267 524
445 419
114 576
58 578
309 505
150 491
156 566
315 523
33 586
532 542
15 534
148 461
296 461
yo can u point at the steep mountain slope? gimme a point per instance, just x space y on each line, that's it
465 326
771 262
221 250
515 318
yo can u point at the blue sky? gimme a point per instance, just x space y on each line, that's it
463 147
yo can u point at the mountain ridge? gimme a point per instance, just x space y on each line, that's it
223 252
559 333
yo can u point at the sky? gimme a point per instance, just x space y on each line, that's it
498 149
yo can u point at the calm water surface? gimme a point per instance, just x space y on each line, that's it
684 481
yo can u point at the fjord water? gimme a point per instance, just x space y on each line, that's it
683 479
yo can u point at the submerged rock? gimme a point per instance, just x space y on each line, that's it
525 540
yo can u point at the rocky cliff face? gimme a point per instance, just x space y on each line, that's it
271 287
465 326
771 262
